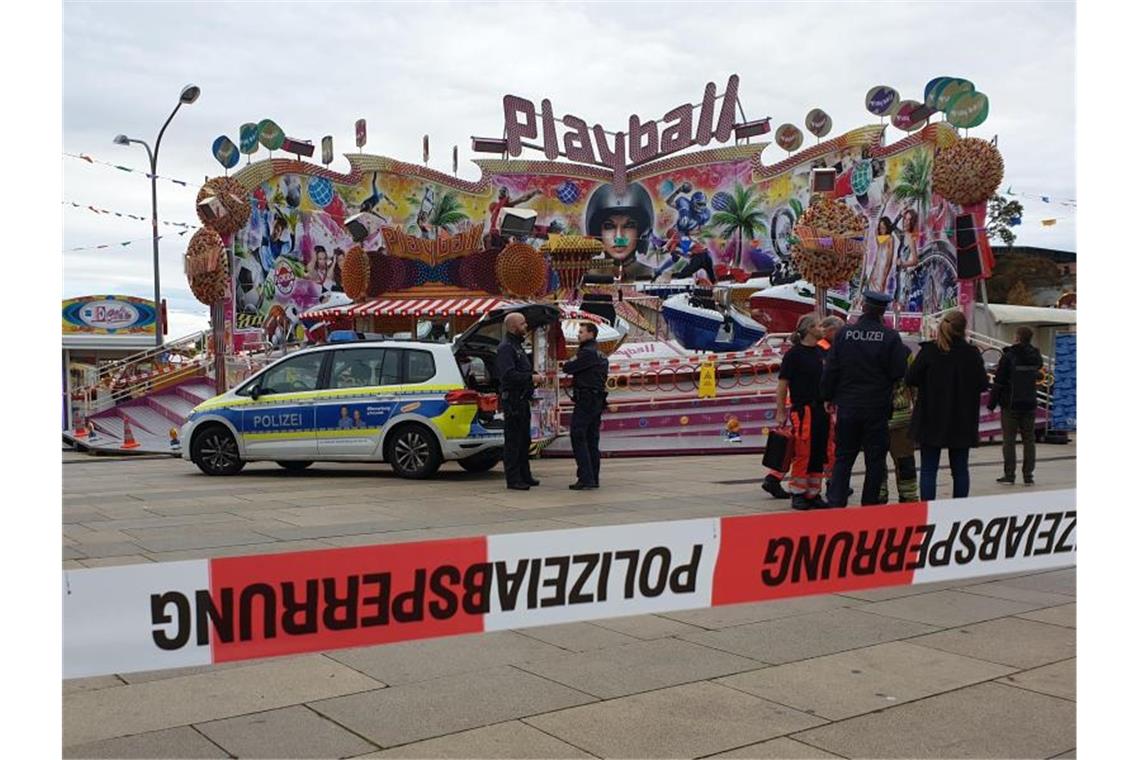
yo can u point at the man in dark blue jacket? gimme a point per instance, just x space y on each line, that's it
590 370
516 378
865 361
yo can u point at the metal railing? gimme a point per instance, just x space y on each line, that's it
142 373
988 343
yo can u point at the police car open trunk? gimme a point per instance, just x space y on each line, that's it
475 351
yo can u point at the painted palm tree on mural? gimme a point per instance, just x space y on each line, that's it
447 213
914 184
738 214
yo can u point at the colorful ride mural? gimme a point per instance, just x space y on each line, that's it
389 228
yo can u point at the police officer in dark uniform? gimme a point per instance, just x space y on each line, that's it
860 370
516 389
590 369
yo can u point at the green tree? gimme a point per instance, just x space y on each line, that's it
447 213
1012 268
742 217
914 185
1019 295
1001 215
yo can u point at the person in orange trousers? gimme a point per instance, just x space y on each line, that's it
800 373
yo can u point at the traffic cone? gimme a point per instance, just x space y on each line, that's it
129 441
80 428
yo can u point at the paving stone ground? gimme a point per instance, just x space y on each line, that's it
978 668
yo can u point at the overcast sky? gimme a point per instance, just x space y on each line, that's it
442 69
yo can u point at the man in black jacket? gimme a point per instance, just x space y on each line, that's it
516 378
590 369
1015 388
865 361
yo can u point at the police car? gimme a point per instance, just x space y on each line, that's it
406 403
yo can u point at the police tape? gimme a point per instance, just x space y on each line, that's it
178 614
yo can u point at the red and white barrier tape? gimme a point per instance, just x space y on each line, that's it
177 614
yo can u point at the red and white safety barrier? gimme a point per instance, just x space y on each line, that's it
177 614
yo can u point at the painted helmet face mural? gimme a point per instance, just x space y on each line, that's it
623 221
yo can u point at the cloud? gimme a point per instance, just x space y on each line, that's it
442 69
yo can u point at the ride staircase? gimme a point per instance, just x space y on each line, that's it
152 392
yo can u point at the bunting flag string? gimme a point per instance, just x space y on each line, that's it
123 244
1069 202
120 167
124 215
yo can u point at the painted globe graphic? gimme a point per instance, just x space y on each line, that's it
568 192
721 201
320 191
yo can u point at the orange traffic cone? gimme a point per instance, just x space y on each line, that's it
129 441
80 428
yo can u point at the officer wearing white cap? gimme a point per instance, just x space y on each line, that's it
865 360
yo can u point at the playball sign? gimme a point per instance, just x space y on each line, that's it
109 315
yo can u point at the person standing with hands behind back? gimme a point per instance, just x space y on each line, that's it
950 376
590 369
1015 388
517 379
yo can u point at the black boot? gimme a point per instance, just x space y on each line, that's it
799 501
772 486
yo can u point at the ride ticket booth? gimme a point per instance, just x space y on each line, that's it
97 331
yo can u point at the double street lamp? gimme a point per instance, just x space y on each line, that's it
189 94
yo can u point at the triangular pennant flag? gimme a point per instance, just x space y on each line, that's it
1045 198
86 158
124 168
1048 222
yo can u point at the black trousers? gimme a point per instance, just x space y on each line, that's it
516 447
855 430
585 430
1013 423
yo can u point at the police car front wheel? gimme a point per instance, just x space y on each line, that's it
215 452
413 452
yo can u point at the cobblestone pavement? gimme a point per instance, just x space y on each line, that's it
978 668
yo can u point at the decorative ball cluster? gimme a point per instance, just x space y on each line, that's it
355 274
476 271
207 266
233 198
521 271
829 246
968 172
388 274
573 244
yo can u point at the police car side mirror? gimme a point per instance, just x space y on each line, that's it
255 393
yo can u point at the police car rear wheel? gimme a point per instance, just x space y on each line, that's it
216 453
481 462
294 466
413 453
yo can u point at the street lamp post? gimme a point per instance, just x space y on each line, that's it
188 95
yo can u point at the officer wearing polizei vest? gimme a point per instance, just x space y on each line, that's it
865 361
590 369
516 378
